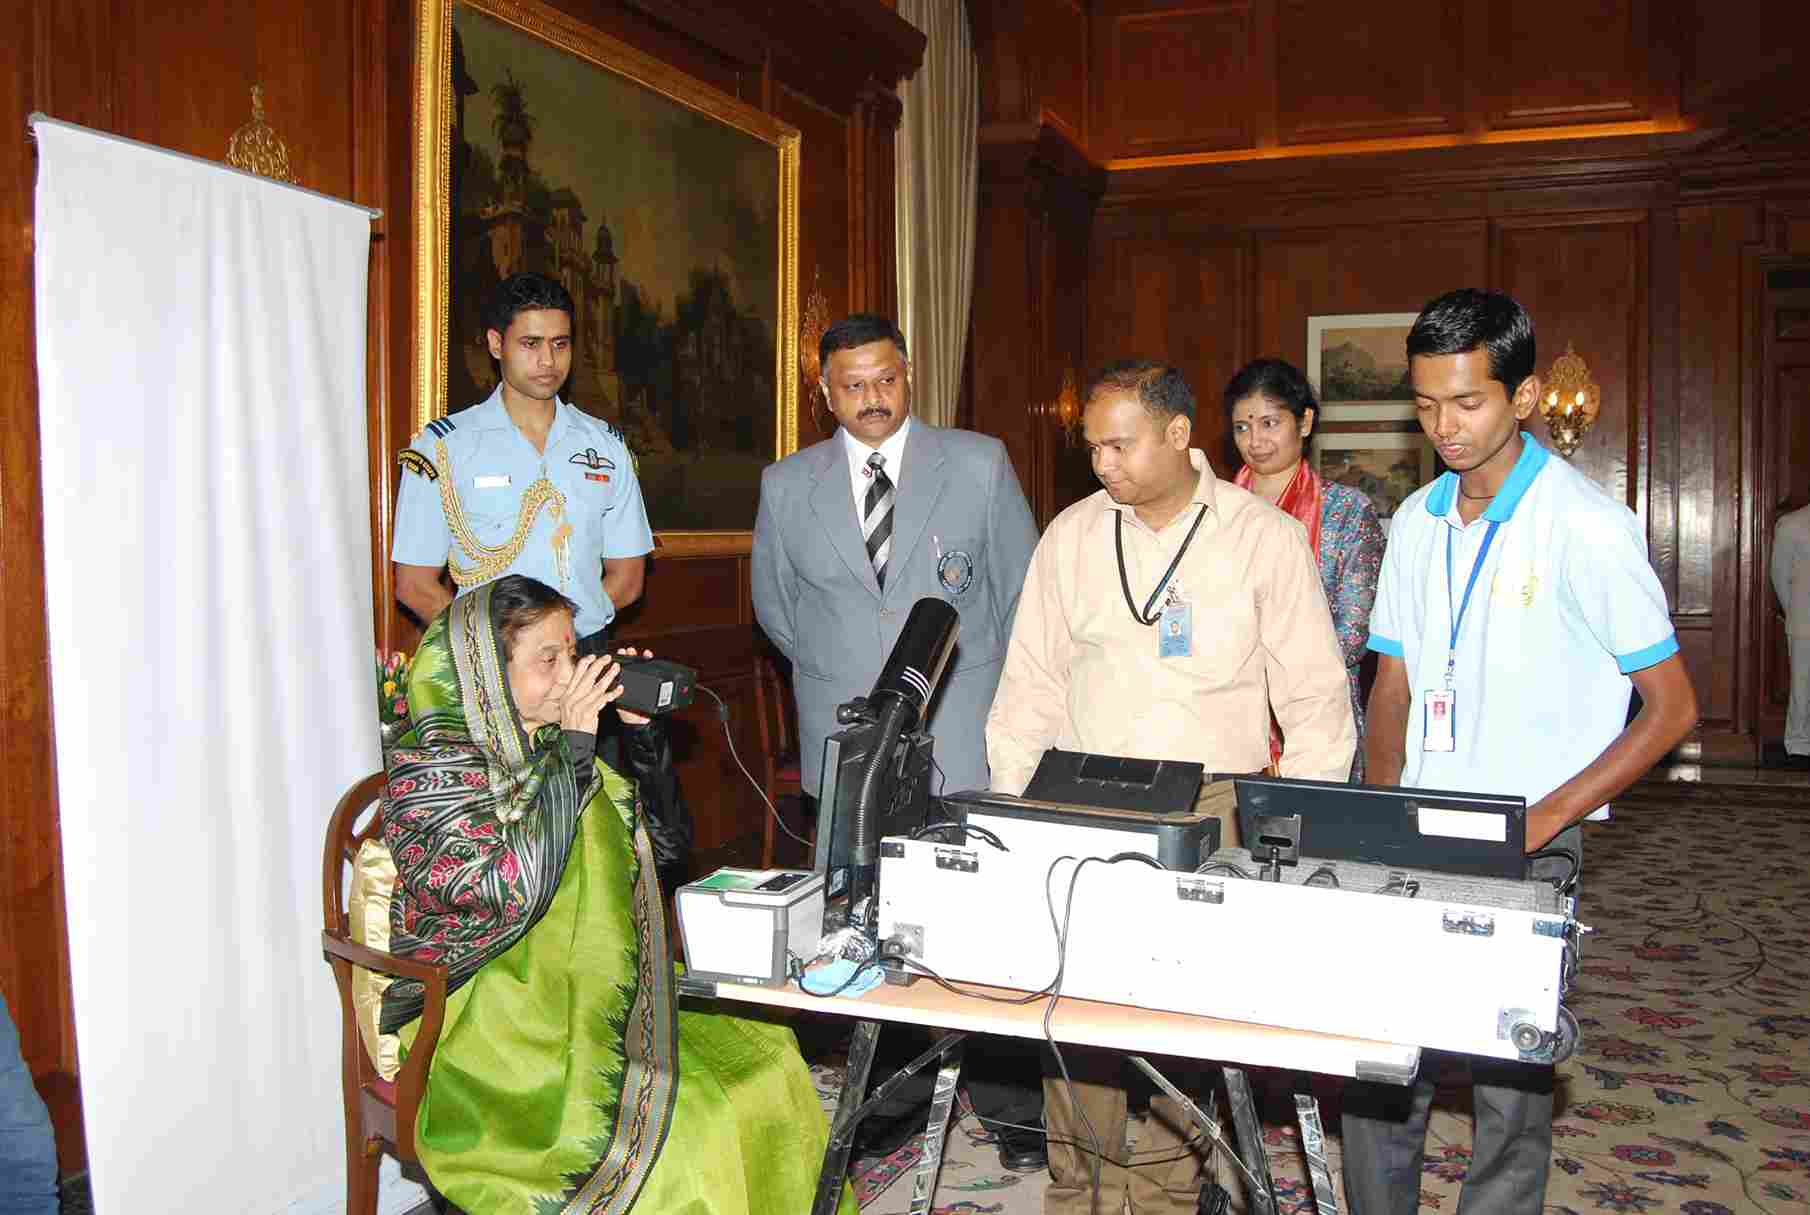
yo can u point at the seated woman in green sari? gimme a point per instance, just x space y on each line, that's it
565 1079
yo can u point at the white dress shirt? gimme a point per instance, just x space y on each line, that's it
860 476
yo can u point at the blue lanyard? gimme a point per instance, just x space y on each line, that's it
1451 661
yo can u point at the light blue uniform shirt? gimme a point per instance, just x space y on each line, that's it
1565 608
490 465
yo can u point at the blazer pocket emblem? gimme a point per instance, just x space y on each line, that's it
955 570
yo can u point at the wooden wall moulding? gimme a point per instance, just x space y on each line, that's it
1058 30
1583 278
1431 183
1558 64
1176 78
1037 194
1367 71
1217 81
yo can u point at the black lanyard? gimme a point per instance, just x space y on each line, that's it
1146 617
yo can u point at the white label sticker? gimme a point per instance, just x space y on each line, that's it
1463 824
665 692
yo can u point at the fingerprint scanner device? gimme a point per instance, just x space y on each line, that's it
742 925
1163 786
1477 834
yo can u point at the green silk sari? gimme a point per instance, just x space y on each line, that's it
565 1079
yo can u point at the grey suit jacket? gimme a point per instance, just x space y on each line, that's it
816 596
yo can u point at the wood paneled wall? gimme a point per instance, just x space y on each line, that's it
337 80
1644 254
1214 79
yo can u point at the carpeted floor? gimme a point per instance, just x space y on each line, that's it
1690 1092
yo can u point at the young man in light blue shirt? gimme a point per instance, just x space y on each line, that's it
523 483
1515 614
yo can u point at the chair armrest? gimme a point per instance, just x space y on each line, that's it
336 946
412 1079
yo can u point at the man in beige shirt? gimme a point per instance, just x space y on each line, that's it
1164 617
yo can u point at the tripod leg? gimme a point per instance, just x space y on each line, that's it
1313 1146
935 1131
1250 1141
842 1128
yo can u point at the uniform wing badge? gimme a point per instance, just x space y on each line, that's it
597 464
592 460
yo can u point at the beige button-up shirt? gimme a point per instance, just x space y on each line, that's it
1083 675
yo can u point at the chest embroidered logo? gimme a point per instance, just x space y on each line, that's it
955 570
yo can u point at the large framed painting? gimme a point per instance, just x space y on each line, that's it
1368 433
667 208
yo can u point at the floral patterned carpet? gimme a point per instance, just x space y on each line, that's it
1690 1091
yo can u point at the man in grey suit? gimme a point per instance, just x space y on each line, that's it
854 530
851 533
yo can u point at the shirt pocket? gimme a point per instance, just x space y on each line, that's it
491 505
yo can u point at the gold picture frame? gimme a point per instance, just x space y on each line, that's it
437 272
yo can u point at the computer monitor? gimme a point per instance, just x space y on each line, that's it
903 802
1479 834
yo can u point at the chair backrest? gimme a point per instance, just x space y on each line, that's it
372 1116
774 708
344 836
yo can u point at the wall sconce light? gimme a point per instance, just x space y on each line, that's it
1571 403
1066 408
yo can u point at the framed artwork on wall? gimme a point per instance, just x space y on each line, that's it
1368 433
667 208
1387 467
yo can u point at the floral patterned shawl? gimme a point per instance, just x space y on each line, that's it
478 817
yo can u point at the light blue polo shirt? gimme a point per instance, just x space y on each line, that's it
491 464
1565 608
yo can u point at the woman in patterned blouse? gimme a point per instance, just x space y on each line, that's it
1272 409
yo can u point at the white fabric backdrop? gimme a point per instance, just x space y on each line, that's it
935 163
201 378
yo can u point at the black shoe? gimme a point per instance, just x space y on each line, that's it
1022 1150
881 1135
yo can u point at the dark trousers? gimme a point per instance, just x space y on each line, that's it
1385 1127
1385 1131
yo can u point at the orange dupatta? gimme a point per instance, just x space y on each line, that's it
1305 498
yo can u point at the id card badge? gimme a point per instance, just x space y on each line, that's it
1175 632
1439 708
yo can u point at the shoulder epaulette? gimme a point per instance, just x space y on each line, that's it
613 432
441 427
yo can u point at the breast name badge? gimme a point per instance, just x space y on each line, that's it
1439 711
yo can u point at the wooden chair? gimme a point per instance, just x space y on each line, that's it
380 1113
780 772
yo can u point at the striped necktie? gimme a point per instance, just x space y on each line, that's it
876 517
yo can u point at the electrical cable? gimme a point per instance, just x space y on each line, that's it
722 714
1325 871
1562 885
1224 867
972 829
798 974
